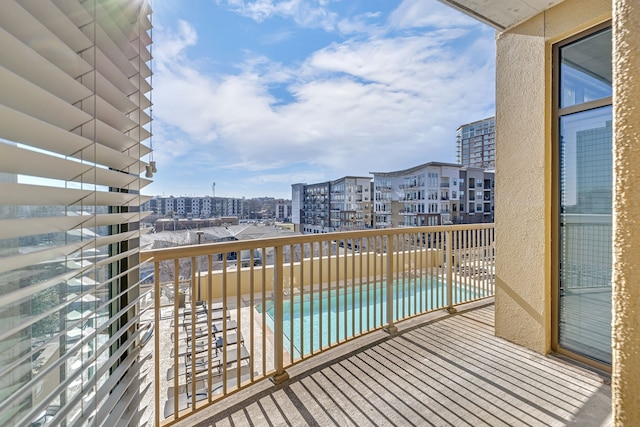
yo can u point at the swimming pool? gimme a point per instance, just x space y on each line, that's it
318 319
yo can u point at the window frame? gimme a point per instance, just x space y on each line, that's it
557 114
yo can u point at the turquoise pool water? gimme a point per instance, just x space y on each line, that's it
318 319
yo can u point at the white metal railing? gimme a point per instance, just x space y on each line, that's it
230 314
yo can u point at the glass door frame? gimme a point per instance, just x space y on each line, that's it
556 249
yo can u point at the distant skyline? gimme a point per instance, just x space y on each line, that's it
256 95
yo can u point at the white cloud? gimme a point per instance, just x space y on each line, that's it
170 44
278 37
306 13
378 104
276 178
366 23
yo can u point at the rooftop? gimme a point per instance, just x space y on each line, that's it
415 169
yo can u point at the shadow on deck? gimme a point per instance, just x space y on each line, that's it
437 370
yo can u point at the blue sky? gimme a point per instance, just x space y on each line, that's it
256 95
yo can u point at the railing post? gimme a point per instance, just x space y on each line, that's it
448 248
278 322
391 328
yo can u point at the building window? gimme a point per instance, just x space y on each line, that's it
584 117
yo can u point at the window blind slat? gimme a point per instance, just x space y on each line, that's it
22 128
108 115
22 95
58 23
17 21
38 70
17 227
72 138
109 70
32 195
54 254
107 91
26 162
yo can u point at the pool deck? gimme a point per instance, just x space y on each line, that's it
438 369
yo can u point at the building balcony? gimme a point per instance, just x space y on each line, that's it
438 369
400 345
408 186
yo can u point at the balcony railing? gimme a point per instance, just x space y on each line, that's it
228 315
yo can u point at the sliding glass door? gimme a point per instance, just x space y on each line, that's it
585 196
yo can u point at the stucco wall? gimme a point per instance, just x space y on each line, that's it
523 168
626 255
431 258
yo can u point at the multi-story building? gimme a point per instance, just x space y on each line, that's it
386 199
199 207
283 210
350 203
74 100
152 205
343 204
230 206
206 207
168 206
476 144
432 194
477 196
297 205
315 208
184 206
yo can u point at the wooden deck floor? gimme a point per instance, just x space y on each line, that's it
437 370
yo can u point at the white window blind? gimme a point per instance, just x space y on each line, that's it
74 130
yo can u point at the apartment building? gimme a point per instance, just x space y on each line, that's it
297 205
315 208
477 196
283 210
433 194
387 205
350 203
199 207
343 204
476 144
74 104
